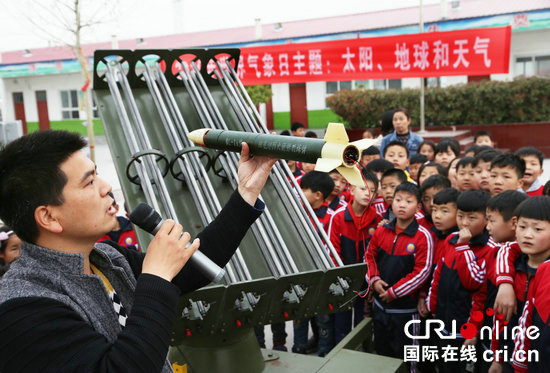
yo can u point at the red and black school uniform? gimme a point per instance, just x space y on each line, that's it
536 189
350 235
380 205
324 214
337 203
125 236
536 312
403 259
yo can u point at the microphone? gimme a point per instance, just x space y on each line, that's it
145 217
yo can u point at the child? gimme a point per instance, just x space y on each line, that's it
317 186
429 189
471 151
429 169
460 272
295 170
298 129
399 259
533 159
389 181
369 134
334 200
9 247
378 167
484 138
465 175
482 166
369 154
427 148
506 173
501 222
446 150
350 232
123 234
416 161
398 154
451 171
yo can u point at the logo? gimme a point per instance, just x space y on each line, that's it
411 248
128 241
371 231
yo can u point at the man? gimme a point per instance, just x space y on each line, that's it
70 304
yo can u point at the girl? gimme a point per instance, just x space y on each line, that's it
427 148
9 246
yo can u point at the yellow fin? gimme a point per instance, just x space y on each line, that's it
363 144
352 175
327 165
336 133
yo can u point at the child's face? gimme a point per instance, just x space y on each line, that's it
504 178
315 199
413 170
533 236
308 167
499 229
405 205
444 158
483 175
484 140
428 151
398 156
428 197
444 216
12 249
367 135
291 165
533 169
363 196
388 185
474 221
426 173
465 178
300 132
365 159
339 184
379 176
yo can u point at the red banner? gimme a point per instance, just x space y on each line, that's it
481 51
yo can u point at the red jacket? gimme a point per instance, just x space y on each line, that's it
125 236
507 255
350 234
535 313
455 292
380 205
402 260
324 214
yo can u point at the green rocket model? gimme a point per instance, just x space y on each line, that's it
333 152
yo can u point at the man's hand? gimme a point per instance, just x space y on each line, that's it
253 173
422 309
166 254
464 235
506 302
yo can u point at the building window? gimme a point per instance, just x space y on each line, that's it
333 87
532 65
386 84
69 105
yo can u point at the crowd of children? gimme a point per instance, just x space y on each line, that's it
457 248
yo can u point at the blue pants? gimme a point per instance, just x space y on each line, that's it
325 326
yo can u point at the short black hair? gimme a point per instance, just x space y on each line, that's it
409 188
482 133
318 181
435 181
485 156
369 176
546 189
537 208
371 150
296 125
440 169
447 195
371 131
396 143
418 158
446 143
379 165
505 203
31 176
465 162
430 143
473 200
400 174
510 160
285 133
311 134
529 150
473 148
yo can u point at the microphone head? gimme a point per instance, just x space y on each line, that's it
145 217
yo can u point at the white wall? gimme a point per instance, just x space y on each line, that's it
281 97
316 94
52 84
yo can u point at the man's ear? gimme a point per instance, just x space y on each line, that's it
45 217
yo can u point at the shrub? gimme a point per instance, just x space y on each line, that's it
488 102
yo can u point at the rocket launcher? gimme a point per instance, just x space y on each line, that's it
333 152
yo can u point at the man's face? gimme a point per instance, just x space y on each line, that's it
398 156
474 221
504 178
444 158
498 228
87 212
389 183
465 178
484 140
533 169
444 216
483 175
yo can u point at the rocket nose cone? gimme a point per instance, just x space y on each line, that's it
197 136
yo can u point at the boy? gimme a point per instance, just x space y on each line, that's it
506 173
482 167
465 175
533 159
123 233
416 161
389 181
446 150
334 200
399 259
350 231
484 138
398 154
317 186
430 188
460 272
298 129
378 167
369 154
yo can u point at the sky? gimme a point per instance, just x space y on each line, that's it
27 24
